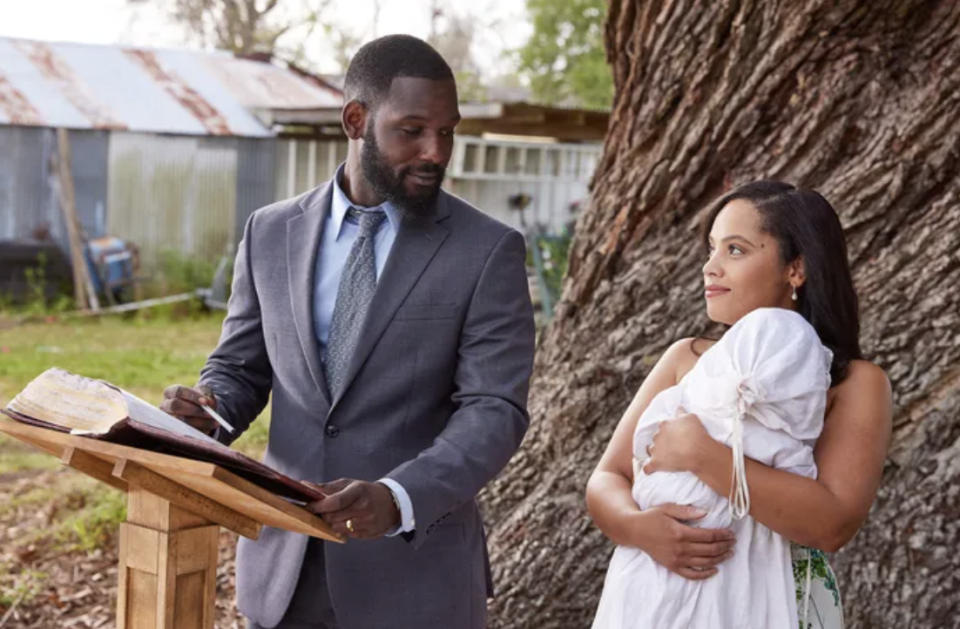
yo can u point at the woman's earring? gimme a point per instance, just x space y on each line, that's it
794 297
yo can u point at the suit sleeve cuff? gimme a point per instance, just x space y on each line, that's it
407 522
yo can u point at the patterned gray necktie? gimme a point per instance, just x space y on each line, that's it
357 284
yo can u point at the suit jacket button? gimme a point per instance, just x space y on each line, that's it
333 430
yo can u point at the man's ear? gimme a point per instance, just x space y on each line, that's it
353 117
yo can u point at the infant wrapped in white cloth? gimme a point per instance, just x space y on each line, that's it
762 391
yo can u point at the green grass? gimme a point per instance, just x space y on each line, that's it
36 497
254 441
84 512
91 526
16 458
140 355
25 586
143 354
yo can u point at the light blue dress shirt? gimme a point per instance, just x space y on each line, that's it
339 234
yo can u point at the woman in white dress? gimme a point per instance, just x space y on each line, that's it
762 390
769 245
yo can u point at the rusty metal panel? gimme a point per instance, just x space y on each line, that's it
54 69
142 103
81 86
173 194
211 119
14 107
195 71
263 86
47 105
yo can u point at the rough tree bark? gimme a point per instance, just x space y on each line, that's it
857 99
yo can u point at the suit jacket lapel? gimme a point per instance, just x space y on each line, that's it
416 244
303 244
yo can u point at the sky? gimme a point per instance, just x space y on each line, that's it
504 24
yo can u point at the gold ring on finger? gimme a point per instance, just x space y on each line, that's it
350 525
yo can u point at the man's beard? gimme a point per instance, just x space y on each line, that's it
386 184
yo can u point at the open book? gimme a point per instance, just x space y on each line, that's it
59 400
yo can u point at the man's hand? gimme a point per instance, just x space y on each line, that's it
368 507
184 404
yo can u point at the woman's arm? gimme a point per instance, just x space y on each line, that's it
655 531
824 513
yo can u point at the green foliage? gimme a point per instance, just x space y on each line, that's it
100 511
38 300
565 58
179 273
176 274
554 251
83 512
33 498
254 441
470 87
14 458
24 587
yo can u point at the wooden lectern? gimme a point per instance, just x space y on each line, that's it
175 506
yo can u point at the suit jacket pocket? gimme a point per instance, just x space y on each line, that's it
414 312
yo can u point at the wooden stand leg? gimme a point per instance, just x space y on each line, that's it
168 566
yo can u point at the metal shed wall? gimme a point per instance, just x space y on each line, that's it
29 188
172 193
190 195
256 172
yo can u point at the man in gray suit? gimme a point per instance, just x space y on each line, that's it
392 323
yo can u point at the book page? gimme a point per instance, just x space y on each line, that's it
152 416
71 401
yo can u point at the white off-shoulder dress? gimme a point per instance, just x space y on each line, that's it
762 391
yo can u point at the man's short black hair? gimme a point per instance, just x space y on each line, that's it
375 66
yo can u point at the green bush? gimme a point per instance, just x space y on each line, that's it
41 298
94 524
179 273
554 252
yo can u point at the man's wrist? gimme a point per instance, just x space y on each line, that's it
397 520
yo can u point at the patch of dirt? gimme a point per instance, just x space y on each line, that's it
11 477
43 586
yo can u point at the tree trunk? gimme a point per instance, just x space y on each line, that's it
857 99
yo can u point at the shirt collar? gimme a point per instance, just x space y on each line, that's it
340 205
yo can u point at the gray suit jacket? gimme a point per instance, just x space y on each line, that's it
435 399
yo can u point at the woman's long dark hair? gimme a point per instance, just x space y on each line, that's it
805 224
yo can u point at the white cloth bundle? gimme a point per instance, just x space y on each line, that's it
762 391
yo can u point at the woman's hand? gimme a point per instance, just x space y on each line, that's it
688 551
679 445
660 532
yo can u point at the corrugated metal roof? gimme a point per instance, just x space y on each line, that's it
81 86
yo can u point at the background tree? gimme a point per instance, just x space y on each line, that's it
454 35
855 98
564 58
345 44
241 26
